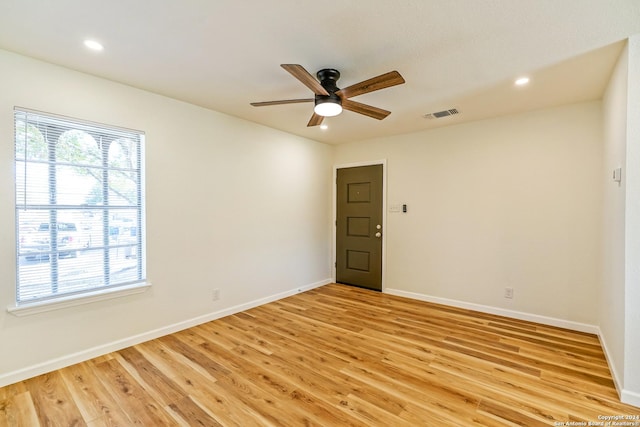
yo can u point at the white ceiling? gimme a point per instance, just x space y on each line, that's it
224 54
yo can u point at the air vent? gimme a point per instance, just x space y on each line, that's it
441 114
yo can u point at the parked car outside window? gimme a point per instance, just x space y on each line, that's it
36 244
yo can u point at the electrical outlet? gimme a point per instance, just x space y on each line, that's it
216 294
508 293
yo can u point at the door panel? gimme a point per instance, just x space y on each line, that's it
359 227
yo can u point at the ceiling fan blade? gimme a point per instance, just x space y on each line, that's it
315 120
367 110
382 81
284 101
307 79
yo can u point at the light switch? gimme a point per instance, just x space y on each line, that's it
617 174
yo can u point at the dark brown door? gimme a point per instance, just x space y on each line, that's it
359 227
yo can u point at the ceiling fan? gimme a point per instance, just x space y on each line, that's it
330 100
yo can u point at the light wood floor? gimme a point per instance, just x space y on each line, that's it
334 356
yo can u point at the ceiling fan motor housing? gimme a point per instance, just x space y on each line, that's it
328 78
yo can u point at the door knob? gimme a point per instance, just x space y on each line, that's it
378 234
378 227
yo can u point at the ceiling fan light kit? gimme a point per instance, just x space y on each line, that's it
328 106
329 100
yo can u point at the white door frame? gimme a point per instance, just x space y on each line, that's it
382 162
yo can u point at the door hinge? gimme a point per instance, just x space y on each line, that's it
335 264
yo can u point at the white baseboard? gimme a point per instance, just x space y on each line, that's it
81 356
630 398
626 396
612 366
551 321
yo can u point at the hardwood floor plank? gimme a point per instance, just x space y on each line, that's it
504 413
182 371
132 399
527 389
12 390
18 410
179 343
369 413
590 363
317 400
489 388
333 356
53 402
94 401
256 391
271 387
234 337
532 362
426 396
161 387
191 414
201 387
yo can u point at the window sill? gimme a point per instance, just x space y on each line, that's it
75 300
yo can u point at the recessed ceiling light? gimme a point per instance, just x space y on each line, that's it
522 81
324 127
93 45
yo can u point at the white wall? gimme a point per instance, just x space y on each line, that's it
620 317
509 202
230 205
631 392
612 318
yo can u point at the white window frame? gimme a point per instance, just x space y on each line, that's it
106 287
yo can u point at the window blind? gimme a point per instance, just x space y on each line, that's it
79 206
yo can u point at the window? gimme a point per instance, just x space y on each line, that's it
79 207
